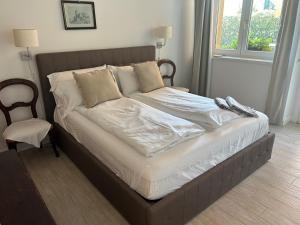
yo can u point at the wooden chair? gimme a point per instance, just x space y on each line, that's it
172 75
172 64
25 129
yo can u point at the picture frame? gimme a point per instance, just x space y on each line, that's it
78 15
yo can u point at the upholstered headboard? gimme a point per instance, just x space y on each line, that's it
48 63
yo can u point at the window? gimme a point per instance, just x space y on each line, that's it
247 28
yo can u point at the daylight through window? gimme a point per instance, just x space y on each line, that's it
247 27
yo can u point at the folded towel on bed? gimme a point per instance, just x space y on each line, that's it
222 103
235 105
195 108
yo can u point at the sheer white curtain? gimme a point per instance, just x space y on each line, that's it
284 61
296 113
293 107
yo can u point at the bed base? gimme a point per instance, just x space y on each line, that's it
178 207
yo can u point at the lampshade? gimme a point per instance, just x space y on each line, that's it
164 32
26 38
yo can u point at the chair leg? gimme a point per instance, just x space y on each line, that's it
12 145
53 143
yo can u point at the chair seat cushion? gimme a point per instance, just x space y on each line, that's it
31 131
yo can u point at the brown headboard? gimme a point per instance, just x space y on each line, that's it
48 63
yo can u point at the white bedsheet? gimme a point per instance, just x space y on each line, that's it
155 177
195 108
146 129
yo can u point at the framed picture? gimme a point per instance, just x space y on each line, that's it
79 15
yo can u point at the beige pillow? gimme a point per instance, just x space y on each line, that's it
149 76
97 87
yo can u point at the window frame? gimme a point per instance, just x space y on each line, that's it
242 48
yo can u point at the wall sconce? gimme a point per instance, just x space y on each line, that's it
163 34
26 38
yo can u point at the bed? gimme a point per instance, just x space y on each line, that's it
175 207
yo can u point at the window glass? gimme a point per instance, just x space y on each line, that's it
264 25
229 19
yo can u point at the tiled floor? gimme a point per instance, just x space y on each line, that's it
270 196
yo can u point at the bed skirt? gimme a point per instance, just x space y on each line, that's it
178 207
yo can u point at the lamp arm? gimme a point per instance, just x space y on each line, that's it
26 55
161 43
28 52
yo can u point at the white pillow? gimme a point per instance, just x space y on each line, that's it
114 70
55 78
67 96
126 79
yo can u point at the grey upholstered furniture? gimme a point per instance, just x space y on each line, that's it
174 209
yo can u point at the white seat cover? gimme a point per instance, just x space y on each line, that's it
31 131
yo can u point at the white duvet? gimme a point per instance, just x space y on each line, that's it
195 108
147 130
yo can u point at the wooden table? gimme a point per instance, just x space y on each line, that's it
20 201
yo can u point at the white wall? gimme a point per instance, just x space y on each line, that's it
247 81
121 23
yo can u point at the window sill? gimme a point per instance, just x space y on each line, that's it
241 59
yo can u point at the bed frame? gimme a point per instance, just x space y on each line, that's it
176 208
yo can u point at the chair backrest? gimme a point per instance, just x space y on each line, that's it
172 64
31 104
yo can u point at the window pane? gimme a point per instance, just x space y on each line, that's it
264 25
229 19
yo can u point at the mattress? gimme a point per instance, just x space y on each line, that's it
155 177
146 129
